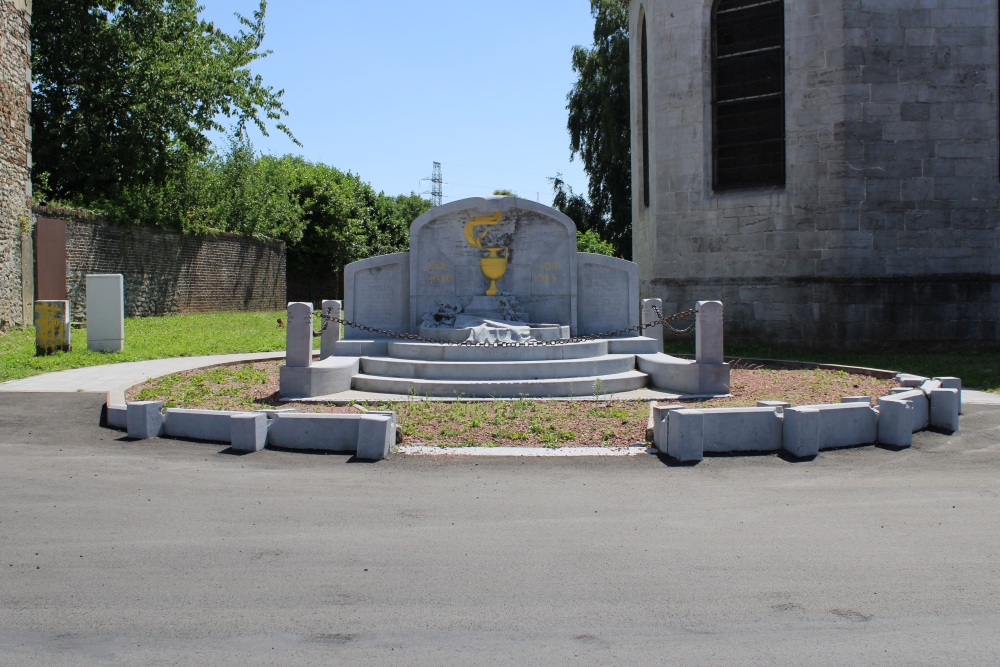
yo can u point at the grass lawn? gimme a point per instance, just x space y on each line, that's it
150 338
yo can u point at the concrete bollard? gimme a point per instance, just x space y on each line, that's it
895 422
299 335
376 436
658 415
331 334
944 409
649 315
685 435
248 432
800 432
952 383
708 333
144 419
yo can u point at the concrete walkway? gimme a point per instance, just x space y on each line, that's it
115 379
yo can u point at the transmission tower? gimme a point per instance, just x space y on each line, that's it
437 183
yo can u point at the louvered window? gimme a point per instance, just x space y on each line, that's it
748 105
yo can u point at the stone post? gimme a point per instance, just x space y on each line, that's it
299 335
105 312
332 333
708 332
649 315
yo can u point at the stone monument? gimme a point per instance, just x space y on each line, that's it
501 272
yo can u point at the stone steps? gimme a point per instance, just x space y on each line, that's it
553 387
489 371
463 353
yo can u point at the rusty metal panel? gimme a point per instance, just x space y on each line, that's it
50 260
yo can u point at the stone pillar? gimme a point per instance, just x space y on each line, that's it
649 315
299 335
708 332
332 333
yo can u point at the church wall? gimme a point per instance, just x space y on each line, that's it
885 229
15 151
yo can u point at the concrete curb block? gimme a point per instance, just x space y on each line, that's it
370 436
686 434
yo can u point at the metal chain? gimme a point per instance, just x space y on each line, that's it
661 319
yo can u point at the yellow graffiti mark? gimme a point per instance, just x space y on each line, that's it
470 228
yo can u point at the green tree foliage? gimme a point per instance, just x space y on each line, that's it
126 90
589 241
503 192
598 125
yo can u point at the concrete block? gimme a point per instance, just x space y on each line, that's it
635 345
328 376
929 386
952 383
856 399
723 430
895 422
118 416
211 425
685 436
778 406
800 432
921 407
684 376
908 380
144 419
105 312
944 409
299 335
656 427
649 315
708 332
845 424
331 334
376 436
330 432
248 431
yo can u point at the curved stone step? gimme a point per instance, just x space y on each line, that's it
551 388
441 352
609 364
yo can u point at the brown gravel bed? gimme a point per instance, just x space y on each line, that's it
523 423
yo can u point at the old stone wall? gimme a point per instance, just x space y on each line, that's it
15 151
885 230
166 272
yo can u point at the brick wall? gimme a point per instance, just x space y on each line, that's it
885 231
166 272
15 150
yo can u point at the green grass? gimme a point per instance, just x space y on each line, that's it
979 369
150 338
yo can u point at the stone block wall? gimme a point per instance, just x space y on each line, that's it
15 153
166 272
885 231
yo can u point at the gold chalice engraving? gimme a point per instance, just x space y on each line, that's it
494 266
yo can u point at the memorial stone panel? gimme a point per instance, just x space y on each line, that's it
607 294
377 294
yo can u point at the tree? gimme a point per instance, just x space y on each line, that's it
599 127
126 90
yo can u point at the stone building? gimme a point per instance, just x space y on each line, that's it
15 159
827 168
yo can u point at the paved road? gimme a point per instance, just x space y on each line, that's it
166 552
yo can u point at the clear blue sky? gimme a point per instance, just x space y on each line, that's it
384 89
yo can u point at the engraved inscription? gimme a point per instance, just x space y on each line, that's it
378 296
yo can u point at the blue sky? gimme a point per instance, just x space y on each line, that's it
384 89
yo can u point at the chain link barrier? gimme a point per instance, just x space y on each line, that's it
664 320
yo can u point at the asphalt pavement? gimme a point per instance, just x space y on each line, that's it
173 552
